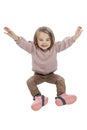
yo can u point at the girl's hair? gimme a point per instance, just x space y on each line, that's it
45 30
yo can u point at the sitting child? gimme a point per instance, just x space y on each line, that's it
44 51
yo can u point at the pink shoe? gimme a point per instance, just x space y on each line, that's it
39 102
64 99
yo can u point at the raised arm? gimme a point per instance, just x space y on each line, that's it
10 33
68 41
20 41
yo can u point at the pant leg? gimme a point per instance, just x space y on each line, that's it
59 81
32 84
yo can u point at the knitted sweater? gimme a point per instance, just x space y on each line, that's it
44 62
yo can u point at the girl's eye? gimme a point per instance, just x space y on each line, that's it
44 40
48 40
40 39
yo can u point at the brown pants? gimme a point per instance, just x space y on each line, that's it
50 78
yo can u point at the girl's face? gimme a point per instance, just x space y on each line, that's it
43 40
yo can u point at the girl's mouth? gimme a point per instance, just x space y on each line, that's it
44 45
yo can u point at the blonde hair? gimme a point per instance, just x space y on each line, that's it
45 30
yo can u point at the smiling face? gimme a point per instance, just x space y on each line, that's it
43 41
44 38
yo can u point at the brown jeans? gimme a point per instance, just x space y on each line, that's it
50 78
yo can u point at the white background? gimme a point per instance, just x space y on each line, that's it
24 17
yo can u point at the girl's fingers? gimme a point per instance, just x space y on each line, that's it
7 29
80 27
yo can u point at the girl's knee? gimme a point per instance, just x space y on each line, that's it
28 82
61 79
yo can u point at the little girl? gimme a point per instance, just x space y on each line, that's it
44 51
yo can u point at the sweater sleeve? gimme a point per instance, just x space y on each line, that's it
64 44
26 45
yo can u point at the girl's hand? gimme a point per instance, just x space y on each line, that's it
77 33
10 33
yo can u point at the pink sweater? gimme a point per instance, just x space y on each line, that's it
44 62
